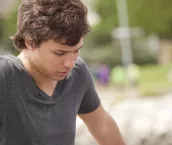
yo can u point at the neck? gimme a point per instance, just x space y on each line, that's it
40 79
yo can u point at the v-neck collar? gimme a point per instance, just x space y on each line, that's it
40 91
46 96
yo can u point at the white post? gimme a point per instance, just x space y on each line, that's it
123 22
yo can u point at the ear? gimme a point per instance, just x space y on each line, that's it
29 44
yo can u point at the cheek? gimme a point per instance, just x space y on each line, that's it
55 63
47 62
49 59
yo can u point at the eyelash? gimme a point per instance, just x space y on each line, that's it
60 54
77 51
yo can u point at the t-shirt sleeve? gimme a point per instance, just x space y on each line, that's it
91 100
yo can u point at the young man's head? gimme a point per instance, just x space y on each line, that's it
51 32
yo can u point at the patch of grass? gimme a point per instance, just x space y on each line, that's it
154 80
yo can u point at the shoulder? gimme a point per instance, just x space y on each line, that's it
7 63
83 70
80 66
4 64
80 63
5 72
80 69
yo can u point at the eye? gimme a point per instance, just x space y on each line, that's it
77 51
59 53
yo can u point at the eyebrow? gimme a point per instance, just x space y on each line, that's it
69 51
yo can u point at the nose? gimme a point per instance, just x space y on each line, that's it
69 63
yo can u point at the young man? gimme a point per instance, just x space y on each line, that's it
48 84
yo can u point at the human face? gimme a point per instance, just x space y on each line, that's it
55 60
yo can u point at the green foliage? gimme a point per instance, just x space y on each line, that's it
9 28
107 54
111 54
142 54
101 34
1 28
10 25
155 16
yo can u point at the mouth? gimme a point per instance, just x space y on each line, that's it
65 73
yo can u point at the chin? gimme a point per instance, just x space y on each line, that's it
58 78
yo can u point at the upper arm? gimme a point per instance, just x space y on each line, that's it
95 120
98 123
102 126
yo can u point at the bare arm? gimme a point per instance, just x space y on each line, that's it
102 126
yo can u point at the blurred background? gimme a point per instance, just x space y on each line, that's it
129 53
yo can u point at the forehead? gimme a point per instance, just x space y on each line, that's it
52 45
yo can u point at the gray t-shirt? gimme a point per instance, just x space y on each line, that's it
28 116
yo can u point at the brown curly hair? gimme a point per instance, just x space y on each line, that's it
57 20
